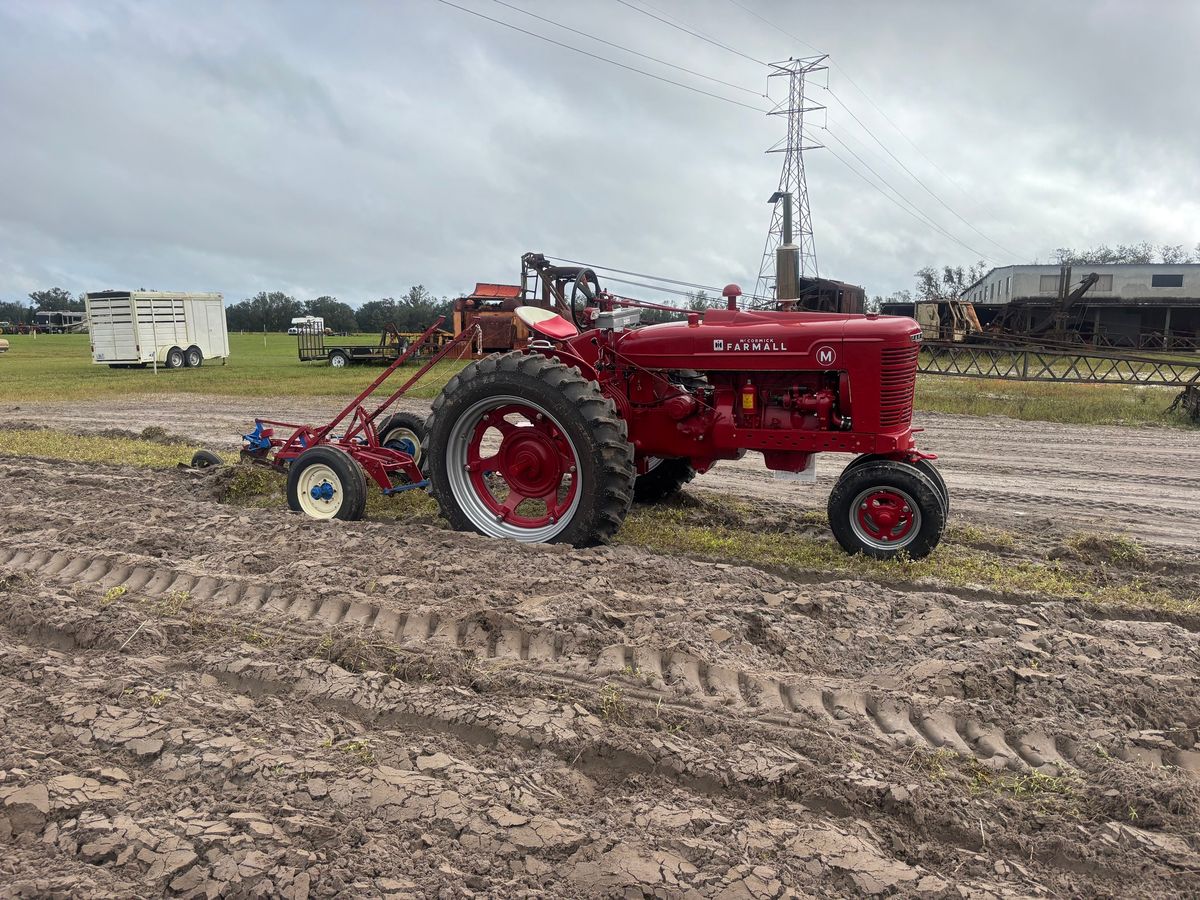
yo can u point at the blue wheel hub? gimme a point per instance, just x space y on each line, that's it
322 491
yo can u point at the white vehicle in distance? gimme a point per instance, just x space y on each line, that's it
307 323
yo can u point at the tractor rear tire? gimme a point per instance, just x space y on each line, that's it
571 455
886 508
662 481
406 432
326 483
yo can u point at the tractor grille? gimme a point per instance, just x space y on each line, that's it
897 382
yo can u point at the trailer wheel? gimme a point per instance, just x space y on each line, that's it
324 483
193 358
520 446
924 466
883 508
339 359
406 432
174 358
663 479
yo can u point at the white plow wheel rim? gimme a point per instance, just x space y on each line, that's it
464 491
314 476
405 434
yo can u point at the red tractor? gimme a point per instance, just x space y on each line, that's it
554 443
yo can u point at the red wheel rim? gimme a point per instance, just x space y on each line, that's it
885 515
535 461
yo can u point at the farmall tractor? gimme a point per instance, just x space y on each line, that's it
554 443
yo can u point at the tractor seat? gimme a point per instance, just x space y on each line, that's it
547 323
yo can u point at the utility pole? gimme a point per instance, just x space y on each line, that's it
793 187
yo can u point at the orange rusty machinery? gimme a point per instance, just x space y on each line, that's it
492 306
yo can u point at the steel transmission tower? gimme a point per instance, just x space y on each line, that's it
790 202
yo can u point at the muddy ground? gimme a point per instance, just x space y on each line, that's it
198 699
1002 472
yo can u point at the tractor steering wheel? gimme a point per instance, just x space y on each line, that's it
584 283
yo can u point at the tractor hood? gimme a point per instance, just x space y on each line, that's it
741 340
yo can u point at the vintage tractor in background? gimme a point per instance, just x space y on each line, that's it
554 442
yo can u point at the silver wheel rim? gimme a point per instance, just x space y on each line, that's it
337 361
869 539
316 477
193 358
464 491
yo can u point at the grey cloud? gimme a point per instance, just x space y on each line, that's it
355 149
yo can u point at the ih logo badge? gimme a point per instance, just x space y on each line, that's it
826 356
718 344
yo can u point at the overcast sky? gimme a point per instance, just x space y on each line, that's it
356 148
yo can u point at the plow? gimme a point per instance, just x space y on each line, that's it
555 442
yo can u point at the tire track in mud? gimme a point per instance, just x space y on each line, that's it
647 675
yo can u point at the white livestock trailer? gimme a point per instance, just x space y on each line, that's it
137 328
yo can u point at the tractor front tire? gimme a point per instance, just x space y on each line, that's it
406 432
663 480
326 483
924 466
523 447
886 508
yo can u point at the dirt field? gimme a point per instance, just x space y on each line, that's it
207 700
1002 472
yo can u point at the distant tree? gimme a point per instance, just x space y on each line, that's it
1174 254
338 316
55 298
700 300
271 311
418 309
875 304
657 316
12 311
948 283
1143 252
373 315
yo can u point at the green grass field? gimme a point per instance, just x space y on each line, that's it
59 367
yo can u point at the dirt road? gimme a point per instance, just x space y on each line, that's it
1001 472
204 700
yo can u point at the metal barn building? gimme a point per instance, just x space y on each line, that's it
1150 306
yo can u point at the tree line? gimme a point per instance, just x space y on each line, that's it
274 311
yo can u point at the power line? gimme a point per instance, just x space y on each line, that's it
911 174
611 62
886 118
694 34
661 62
914 211
675 281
